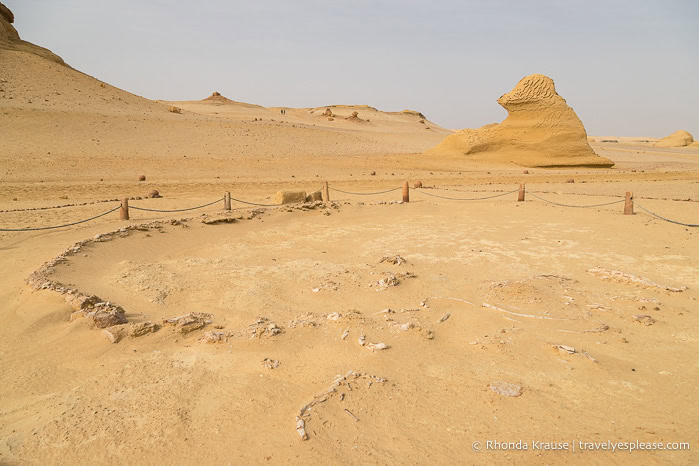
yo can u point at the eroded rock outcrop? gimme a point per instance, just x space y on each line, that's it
677 139
217 97
541 130
10 40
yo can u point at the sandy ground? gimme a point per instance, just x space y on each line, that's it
69 396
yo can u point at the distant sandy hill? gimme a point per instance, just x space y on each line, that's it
59 123
406 120
364 118
677 139
541 130
34 78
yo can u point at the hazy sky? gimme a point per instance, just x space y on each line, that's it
627 67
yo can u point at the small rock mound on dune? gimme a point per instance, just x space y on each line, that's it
217 97
9 38
677 139
354 117
414 113
541 130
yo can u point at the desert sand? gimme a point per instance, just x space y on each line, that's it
382 332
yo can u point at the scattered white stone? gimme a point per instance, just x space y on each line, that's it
618 276
644 319
566 349
113 334
506 389
395 260
403 327
376 346
301 428
270 363
214 337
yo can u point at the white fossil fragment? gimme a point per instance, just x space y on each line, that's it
301 428
376 346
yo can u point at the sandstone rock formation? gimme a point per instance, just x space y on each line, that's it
9 38
414 113
355 118
314 196
677 139
541 130
289 197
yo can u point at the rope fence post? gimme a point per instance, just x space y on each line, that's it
406 191
326 192
520 197
227 200
124 211
628 204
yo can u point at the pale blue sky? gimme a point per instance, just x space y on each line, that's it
628 68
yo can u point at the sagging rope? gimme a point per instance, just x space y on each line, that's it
176 210
571 205
62 226
465 198
365 194
667 219
254 203
62 206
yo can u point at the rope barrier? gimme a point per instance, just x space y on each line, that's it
365 194
571 205
465 198
62 206
351 193
254 203
667 219
175 210
62 226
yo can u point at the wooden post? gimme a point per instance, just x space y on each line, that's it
520 198
326 192
406 191
628 205
124 211
227 201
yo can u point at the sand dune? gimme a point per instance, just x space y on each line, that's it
541 130
677 139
